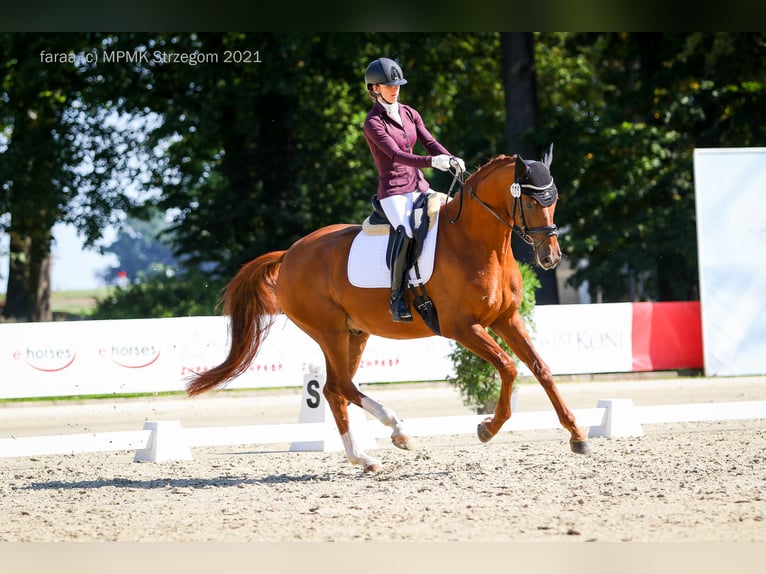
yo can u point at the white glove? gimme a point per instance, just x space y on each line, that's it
459 162
440 162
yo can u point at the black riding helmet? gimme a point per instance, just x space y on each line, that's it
384 71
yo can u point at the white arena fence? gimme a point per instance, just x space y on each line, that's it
162 441
134 356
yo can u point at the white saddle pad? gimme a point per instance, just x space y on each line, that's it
367 259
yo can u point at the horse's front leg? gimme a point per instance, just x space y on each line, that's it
490 426
477 340
514 333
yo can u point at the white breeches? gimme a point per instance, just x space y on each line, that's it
398 209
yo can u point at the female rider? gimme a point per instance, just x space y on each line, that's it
392 129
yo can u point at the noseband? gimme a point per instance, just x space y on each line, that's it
517 189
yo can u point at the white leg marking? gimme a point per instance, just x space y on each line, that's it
356 455
384 415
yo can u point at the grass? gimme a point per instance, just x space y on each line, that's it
62 398
72 304
79 303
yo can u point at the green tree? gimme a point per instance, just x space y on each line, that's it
251 155
59 153
257 154
627 111
157 296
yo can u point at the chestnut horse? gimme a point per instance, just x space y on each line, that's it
476 284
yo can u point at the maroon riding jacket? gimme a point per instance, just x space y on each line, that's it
392 146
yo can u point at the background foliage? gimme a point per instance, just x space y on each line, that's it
247 157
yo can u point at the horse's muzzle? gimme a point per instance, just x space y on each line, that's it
548 253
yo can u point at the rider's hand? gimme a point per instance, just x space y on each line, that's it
460 163
440 162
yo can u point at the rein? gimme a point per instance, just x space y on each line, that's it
517 190
457 178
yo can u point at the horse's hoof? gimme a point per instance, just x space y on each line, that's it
403 442
374 468
483 432
581 446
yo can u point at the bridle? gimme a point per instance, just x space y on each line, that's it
516 190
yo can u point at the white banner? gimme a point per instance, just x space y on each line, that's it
156 355
574 339
730 192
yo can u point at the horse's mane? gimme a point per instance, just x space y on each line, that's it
486 169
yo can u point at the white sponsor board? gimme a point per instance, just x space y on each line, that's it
730 192
157 355
575 339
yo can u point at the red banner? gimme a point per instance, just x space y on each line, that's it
667 336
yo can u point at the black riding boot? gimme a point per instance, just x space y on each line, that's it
400 310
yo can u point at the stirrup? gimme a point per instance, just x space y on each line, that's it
400 311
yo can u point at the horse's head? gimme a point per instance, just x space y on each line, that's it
522 196
534 197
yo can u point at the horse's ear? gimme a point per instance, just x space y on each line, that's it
520 168
548 156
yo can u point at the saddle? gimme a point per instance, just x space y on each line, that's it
422 221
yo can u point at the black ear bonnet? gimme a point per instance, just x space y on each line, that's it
538 183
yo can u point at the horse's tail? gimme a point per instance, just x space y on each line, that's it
251 304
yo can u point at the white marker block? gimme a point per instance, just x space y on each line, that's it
167 442
620 419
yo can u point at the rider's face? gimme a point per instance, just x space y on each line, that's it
389 93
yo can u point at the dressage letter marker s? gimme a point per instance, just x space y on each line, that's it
313 389
314 409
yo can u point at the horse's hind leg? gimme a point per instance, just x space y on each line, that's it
343 358
339 407
332 335
343 352
400 439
